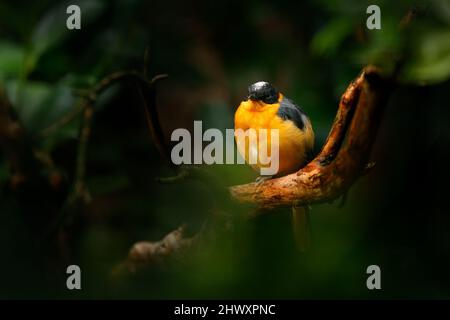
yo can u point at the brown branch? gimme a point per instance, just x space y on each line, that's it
413 13
64 120
144 254
15 144
80 191
343 118
147 92
90 97
87 95
79 194
343 158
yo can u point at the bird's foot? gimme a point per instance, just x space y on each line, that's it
261 179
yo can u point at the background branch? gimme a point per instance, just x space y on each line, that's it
144 254
147 92
15 145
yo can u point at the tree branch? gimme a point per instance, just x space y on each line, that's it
15 145
143 254
147 92
89 99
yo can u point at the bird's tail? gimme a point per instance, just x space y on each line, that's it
301 227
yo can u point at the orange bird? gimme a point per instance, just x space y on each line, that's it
266 108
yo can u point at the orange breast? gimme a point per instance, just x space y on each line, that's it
293 143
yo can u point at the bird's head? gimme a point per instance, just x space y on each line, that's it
263 91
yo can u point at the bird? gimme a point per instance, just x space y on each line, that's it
267 108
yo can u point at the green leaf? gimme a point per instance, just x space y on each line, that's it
431 61
329 38
30 96
11 59
40 104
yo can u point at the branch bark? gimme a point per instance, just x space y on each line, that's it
144 253
343 158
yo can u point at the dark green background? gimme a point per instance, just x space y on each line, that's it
396 217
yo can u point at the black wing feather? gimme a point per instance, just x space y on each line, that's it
288 110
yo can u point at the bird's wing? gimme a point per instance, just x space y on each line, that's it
288 110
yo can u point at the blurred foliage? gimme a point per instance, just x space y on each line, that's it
212 51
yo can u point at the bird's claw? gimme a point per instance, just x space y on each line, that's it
261 179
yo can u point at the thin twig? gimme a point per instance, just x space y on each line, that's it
80 191
181 175
147 92
64 120
16 145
